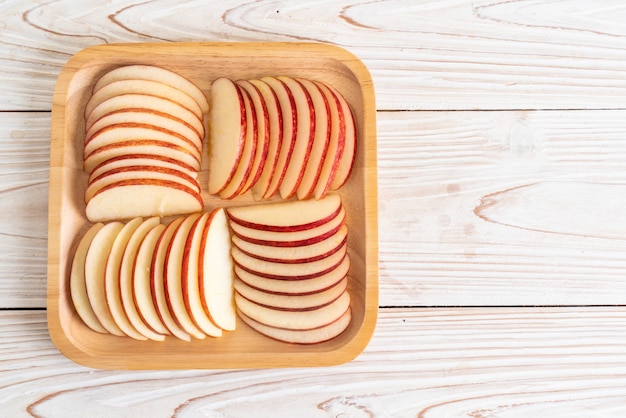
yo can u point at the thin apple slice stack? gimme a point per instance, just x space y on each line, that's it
146 280
291 268
144 131
280 135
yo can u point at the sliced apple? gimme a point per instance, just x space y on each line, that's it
321 140
311 336
305 135
295 319
95 264
287 216
289 131
295 254
142 288
349 152
127 199
112 285
275 132
336 143
142 146
172 274
157 281
246 162
78 289
227 132
154 73
129 160
190 275
216 271
290 239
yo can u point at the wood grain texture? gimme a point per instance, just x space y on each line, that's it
495 362
518 54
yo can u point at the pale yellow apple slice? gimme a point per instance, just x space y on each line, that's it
127 268
172 278
288 110
350 147
156 121
274 124
127 199
190 278
112 280
139 172
295 287
144 103
336 144
142 287
129 160
305 135
262 129
128 132
290 239
284 271
142 146
287 216
287 301
296 254
157 281
154 73
296 319
311 336
321 140
215 270
227 132
95 264
246 162
78 289
147 87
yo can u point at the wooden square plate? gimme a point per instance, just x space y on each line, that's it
202 63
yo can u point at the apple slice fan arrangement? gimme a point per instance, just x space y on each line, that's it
154 264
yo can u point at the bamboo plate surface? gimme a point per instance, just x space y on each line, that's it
202 63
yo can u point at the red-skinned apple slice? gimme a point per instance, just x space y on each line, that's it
262 133
321 140
141 160
296 319
190 278
112 280
147 87
289 115
246 162
286 271
78 289
142 293
154 73
349 152
95 263
142 197
336 144
144 103
137 172
294 255
287 216
295 287
216 271
305 134
290 239
312 336
157 282
275 131
145 146
172 274
279 301
227 132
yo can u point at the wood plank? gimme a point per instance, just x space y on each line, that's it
427 55
420 362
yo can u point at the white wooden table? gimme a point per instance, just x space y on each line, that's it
502 182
